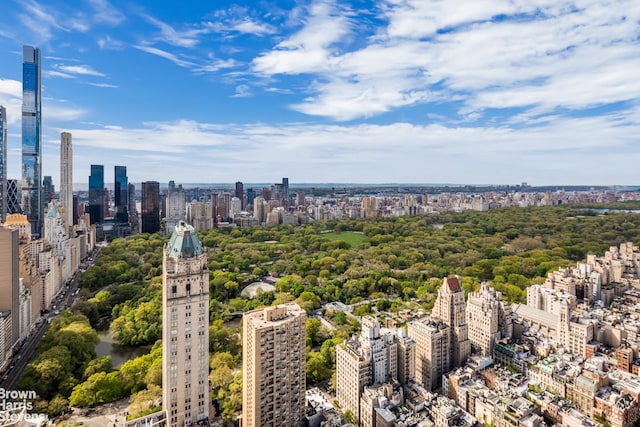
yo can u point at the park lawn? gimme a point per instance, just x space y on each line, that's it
352 238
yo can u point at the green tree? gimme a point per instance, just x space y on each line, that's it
98 388
57 406
145 402
101 364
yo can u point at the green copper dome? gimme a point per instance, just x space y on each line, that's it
53 212
184 242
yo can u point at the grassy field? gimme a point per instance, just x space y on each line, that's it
352 238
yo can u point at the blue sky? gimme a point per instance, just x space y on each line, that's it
421 91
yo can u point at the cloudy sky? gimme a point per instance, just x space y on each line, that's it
417 91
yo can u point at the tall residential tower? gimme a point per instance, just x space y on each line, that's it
274 366
31 137
66 177
96 194
185 329
150 207
450 308
121 190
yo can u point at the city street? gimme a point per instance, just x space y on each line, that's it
28 351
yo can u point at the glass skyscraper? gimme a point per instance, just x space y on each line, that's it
96 194
3 163
150 207
121 190
32 138
48 189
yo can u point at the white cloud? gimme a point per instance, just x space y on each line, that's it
249 26
107 42
309 49
56 110
242 91
53 73
397 152
107 85
11 87
166 55
106 13
216 65
11 99
188 38
40 21
83 70
497 54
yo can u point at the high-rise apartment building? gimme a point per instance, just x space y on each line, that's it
235 207
251 195
450 308
432 354
260 209
120 193
133 210
10 277
370 206
223 204
66 177
274 361
406 357
239 193
176 206
96 194
13 197
31 137
373 357
185 328
483 318
150 207
3 163
285 193
48 190
201 215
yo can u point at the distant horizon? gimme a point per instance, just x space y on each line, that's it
324 185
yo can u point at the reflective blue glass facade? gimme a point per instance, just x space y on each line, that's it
121 190
3 163
31 138
96 194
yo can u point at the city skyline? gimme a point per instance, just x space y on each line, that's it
324 91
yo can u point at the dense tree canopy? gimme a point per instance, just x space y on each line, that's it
385 263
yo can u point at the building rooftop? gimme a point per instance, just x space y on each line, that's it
184 242
541 317
454 284
273 316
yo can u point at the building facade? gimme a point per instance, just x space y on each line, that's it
150 207
10 277
3 163
13 197
239 193
450 308
274 366
432 354
48 189
176 206
32 137
121 193
185 329
483 318
66 177
96 194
